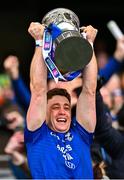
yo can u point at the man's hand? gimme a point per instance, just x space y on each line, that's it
90 33
36 30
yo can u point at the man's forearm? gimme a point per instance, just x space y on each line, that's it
90 75
86 109
38 73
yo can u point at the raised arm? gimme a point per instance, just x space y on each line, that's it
86 108
38 82
11 65
115 62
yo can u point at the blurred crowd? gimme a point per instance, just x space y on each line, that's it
108 147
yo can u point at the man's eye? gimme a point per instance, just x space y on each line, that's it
55 107
67 108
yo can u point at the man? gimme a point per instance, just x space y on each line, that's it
58 147
111 139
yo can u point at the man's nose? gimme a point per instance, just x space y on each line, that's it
61 111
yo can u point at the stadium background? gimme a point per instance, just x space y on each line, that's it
16 17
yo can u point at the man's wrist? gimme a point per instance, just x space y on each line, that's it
39 43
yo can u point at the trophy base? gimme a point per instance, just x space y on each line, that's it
72 54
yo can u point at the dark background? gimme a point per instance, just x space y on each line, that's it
16 17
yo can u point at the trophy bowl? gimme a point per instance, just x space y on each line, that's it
72 50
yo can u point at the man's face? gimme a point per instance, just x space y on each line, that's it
58 114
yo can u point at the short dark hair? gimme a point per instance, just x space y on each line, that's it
58 91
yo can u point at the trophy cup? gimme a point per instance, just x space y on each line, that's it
72 50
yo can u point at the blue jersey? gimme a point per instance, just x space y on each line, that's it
53 155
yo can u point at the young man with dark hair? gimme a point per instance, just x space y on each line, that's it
58 147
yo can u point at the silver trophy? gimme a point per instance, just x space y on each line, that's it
72 50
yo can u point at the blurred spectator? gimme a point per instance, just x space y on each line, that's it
12 118
107 98
121 77
16 149
113 83
117 101
110 139
114 64
6 91
11 65
102 59
101 53
112 94
6 111
120 118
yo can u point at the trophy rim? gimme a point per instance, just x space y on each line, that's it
61 9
